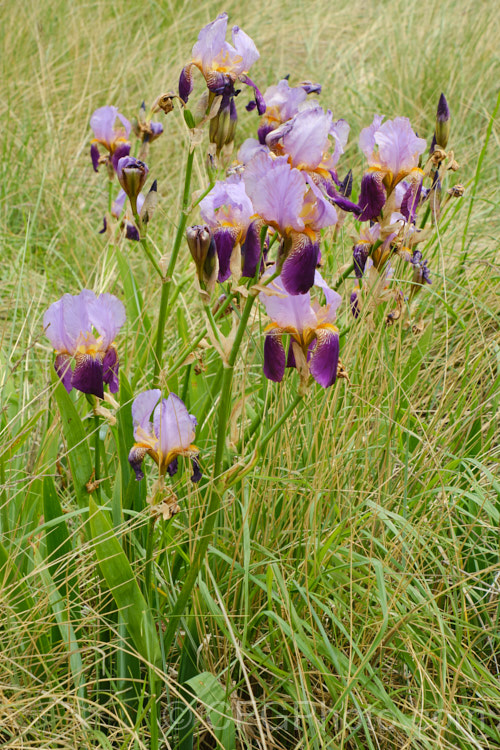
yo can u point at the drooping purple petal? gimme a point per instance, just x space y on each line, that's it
62 366
411 199
107 315
110 367
360 254
196 475
274 357
173 467
297 272
173 425
372 196
259 99
290 357
276 191
250 250
186 83
224 242
88 375
123 149
94 155
135 458
325 357
131 231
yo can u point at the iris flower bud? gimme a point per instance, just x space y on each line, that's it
442 122
202 247
132 175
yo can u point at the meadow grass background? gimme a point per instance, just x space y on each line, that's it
352 594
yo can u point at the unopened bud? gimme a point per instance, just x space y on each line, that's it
442 122
199 239
132 175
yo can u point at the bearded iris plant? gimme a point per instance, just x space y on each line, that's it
165 437
113 139
71 325
314 337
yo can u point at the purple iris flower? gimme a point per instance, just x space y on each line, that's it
314 337
164 429
221 63
113 139
71 325
282 103
290 201
306 140
230 214
391 147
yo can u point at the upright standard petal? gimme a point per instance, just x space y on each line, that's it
276 191
307 140
142 409
211 41
173 426
245 50
107 315
399 147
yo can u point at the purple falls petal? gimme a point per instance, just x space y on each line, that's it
185 83
372 196
224 242
123 149
135 459
325 357
173 467
259 99
250 250
410 201
290 359
110 367
87 376
274 357
297 273
196 475
94 155
62 366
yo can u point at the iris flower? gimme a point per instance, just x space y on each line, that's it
168 435
221 63
230 214
313 333
289 201
392 149
113 139
71 325
282 103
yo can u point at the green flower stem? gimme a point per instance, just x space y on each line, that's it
214 493
149 558
165 291
97 452
110 196
145 246
344 276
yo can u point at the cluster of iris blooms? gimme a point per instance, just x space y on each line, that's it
263 222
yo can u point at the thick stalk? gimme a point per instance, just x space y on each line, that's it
165 291
214 495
